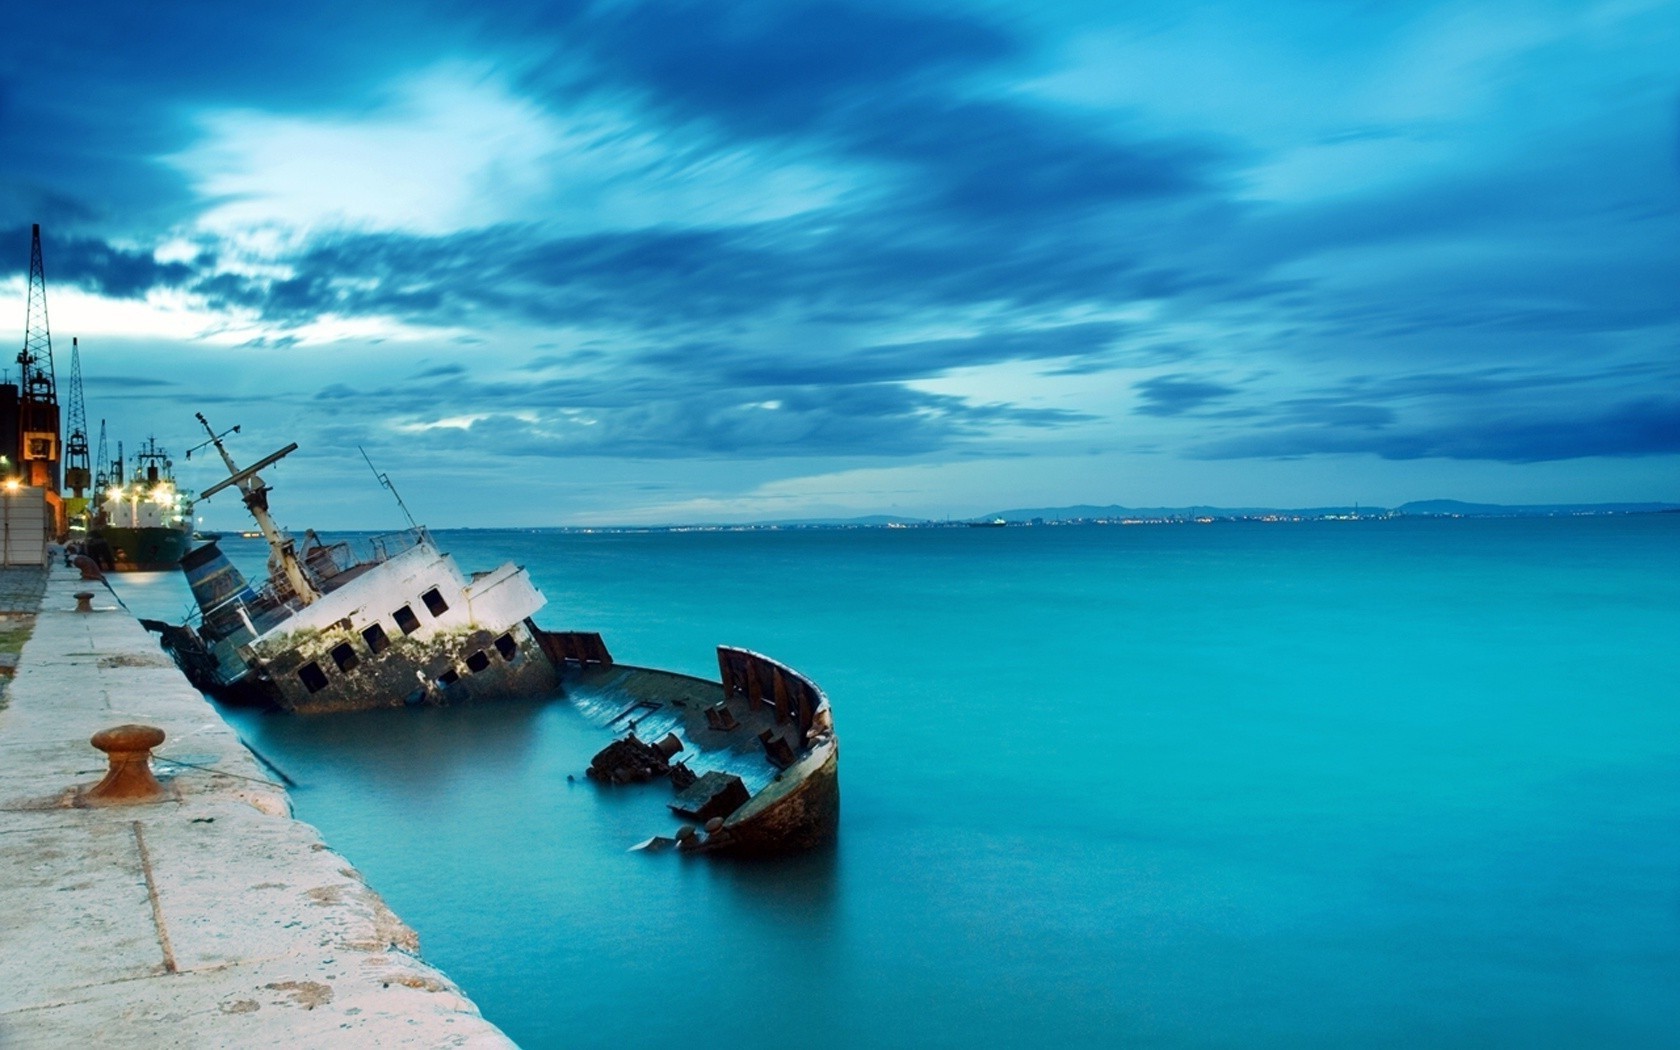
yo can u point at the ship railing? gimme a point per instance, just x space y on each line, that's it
392 544
770 683
323 562
274 602
265 604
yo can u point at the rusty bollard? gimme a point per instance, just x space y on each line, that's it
130 776
84 601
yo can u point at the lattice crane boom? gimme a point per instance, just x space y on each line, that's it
78 473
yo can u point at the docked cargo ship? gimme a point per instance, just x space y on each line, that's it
143 523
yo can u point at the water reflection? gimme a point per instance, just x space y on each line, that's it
412 750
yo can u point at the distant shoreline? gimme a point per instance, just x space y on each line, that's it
1105 516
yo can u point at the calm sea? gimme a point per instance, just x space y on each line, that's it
1381 783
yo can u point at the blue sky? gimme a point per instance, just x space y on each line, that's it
617 262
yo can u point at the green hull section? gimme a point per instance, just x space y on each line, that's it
143 550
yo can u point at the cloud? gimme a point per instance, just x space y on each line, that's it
734 366
127 382
1178 394
449 150
93 264
874 420
1633 428
775 69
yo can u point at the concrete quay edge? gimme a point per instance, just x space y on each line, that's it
209 919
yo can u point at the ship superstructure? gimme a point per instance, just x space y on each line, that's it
344 626
143 523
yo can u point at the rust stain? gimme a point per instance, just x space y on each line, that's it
307 994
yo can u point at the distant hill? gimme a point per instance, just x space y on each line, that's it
868 519
1442 508
1114 510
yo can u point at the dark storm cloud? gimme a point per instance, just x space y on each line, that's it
98 90
93 264
1006 161
657 418
697 400
895 86
1485 384
778 366
778 68
677 279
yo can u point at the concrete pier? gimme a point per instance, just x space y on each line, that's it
209 918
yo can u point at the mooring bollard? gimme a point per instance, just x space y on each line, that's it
84 601
130 776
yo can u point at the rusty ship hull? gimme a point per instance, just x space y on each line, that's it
752 758
387 621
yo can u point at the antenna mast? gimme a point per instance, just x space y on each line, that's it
77 473
385 479
280 545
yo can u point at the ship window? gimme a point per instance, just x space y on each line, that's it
478 661
345 657
507 647
406 620
377 643
450 677
313 678
434 602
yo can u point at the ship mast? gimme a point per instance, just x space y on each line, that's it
256 501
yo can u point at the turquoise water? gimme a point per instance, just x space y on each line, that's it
1357 783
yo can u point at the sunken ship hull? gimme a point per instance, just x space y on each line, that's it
752 759
339 628
401 625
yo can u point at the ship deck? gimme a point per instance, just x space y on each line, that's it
653 702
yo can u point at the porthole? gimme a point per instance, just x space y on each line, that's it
434 602
313 678
377 642
345 657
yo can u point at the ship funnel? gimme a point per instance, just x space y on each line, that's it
213 578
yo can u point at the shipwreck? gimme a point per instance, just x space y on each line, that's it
752 759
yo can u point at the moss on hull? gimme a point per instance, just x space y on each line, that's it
444 667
